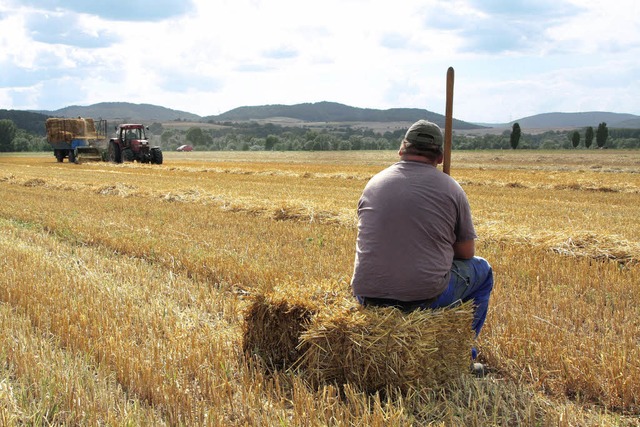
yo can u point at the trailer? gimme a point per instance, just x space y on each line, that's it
78 139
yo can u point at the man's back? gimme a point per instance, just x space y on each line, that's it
410 215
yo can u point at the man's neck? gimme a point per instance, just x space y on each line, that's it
417 158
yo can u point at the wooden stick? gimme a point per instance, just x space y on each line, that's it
448 123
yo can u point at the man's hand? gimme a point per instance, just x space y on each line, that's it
464 250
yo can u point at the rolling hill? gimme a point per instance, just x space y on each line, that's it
334 112
308 112
124 112
577 120
26 120
326 112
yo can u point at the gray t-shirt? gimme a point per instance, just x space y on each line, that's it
409 217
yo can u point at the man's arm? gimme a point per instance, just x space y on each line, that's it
464 250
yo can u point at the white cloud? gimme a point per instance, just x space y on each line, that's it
116 10
512 59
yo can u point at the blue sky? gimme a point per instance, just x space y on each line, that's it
512 58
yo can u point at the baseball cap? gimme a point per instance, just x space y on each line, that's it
424 135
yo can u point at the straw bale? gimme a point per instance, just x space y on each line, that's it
272 326
65 130
375 348
274 319
322 334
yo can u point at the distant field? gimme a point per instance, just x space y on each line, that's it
181 125
122 288
379 127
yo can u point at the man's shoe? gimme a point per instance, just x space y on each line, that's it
478 370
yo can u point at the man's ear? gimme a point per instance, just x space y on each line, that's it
440 158
401 149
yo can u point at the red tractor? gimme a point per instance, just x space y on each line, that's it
131 144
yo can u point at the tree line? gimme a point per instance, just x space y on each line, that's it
624 138
253 136
13 138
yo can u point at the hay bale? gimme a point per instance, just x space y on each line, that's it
65 130
275 318
272 327
375 348
322 334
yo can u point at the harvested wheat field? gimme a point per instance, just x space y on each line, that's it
214 290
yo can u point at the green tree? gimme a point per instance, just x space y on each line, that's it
20 143
602 134
38 143
344 144
575 139
548 144
156 128
195 136
310 135
356 142
166 136
8 131
514 138
588 137
324 141
270 142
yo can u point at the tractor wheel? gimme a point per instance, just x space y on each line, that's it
156 156
72 156
127 155
59 155
114 153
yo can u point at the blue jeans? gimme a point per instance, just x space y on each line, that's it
471 279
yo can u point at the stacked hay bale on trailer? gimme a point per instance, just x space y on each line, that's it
77 139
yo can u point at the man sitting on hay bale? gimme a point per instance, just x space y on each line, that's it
415 247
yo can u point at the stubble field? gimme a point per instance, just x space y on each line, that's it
122 288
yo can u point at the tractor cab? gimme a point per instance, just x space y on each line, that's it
131 136
134 134
133 140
